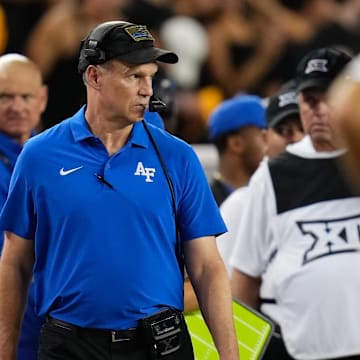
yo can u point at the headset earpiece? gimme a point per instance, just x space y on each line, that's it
94 56
156 105
90 51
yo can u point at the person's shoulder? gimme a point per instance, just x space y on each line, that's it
234 198
47 138
263 166
234 202
260 174
164 134
280 158
170 141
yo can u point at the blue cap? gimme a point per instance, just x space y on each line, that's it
235 113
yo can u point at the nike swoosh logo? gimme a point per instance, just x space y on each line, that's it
64 172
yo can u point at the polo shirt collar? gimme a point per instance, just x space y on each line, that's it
81 131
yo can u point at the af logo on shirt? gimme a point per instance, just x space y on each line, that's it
149 173
330 237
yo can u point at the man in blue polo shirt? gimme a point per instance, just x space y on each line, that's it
22 100
99 211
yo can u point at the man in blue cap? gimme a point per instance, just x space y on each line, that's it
236 127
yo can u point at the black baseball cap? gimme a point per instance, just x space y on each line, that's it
282 105
121 40
320 67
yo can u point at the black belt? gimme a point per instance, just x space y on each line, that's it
128 335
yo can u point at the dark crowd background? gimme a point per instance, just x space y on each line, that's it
226 47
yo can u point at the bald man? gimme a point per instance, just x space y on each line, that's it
23 99
345 100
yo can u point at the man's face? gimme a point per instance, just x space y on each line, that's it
22 99
287 131
254 146
316 118
126 90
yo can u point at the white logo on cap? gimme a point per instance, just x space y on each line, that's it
316 65
139 32
287 98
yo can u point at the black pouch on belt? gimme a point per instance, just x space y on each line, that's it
163 332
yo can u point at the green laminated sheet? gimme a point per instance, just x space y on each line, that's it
253 332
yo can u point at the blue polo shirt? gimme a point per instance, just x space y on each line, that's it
9 151
105 250
29 337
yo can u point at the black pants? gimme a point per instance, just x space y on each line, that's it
277 350
60 343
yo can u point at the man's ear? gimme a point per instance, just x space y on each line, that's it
92 76
236 143
43 97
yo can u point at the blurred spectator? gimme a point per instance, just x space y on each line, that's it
243 47
201 10
300 20
343 30
226 46
236 127
186 36
345 101
151 13
254 47
3 30
283 120
21 16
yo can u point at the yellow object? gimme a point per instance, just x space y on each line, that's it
253 332
209 98
3 30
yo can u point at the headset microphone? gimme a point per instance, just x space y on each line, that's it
156 105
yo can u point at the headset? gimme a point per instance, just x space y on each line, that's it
156 105
91 53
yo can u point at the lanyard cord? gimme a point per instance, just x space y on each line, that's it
179 253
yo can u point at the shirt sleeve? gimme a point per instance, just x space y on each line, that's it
199 215
18 214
